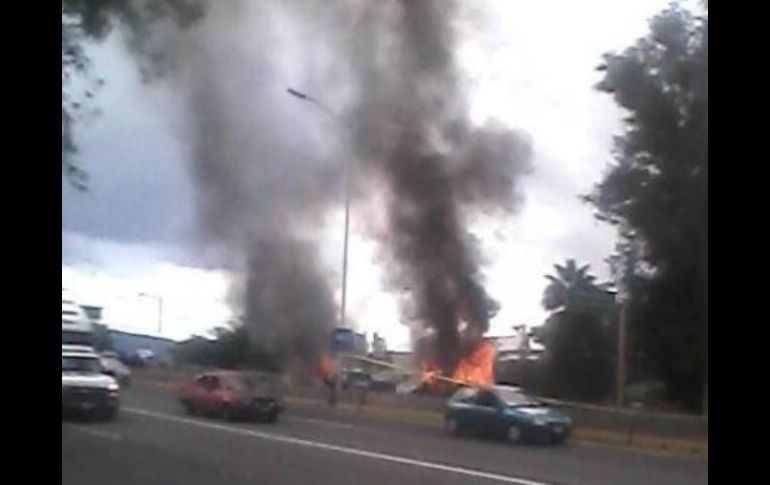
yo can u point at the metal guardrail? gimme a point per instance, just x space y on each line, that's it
629 422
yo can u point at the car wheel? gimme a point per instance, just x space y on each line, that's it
271 417
108 414
558 440
514 434
188 407
227 413
453 427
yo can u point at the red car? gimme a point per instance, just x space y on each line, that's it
233 395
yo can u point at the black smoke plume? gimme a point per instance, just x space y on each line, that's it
263 182
414 135
392 68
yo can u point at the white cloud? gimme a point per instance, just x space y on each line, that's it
193 300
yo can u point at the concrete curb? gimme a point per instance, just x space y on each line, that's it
585 435
436 420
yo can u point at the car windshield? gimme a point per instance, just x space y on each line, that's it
112 362
80 364
514 397
250 382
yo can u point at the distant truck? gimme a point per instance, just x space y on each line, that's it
76 327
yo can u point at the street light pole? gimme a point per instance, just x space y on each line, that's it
343 304
620 382
343 319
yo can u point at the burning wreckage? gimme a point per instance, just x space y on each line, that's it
474 367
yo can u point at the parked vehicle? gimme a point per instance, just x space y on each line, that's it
354 378
505 412
85 389
233 395
117 369
141 358
388 380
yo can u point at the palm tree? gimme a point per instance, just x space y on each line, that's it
578 356
569 277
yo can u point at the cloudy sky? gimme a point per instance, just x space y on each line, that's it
533 68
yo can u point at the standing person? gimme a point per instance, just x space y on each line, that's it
328 375
362 385
331 385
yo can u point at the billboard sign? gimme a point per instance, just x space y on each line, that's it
343 340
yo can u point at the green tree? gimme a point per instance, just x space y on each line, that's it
578 340
569 277
657 190
231 348
88 21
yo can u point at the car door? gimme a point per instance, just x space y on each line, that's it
475 412
462 408
487 412
211 395
199 393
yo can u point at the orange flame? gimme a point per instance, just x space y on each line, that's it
477 367
325 367
429 373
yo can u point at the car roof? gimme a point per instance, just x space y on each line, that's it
234 373
80 354
500 387
221 373
77 348
508 387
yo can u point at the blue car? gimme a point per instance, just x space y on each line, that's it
505 412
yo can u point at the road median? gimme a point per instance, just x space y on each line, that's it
615 429
580 434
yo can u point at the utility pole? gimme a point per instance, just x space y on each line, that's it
706 393
329 112
620 377
340 357
159 299
626 269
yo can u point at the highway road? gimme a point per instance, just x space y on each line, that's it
154 442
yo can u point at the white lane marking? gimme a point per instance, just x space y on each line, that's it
341 449
323 422
97 432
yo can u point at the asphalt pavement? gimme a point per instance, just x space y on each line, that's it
154 442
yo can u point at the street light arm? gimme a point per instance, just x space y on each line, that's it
341 121
296 93
310 99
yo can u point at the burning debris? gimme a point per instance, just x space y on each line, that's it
475 367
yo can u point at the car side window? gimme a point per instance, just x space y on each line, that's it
202 381
213 383
466 395
486 399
